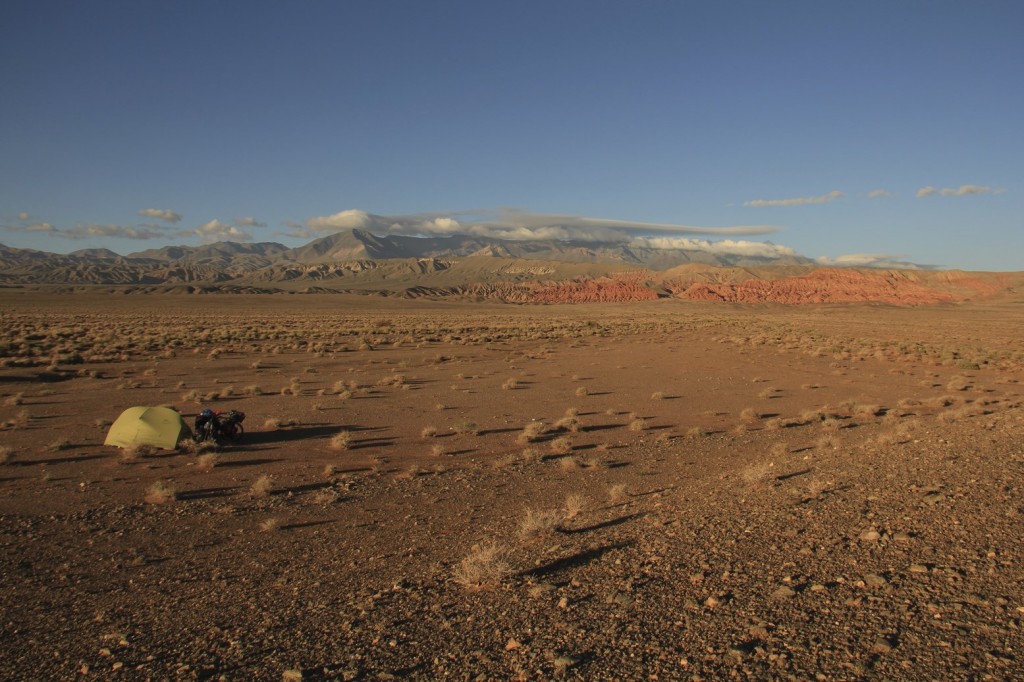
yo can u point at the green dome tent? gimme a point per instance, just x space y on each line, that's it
158 426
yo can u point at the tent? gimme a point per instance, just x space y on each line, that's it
158 426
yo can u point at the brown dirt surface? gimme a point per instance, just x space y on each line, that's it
709 491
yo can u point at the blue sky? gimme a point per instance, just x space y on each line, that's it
888 130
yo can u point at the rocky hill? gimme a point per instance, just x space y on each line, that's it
547 271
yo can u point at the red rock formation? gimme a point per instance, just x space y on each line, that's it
820 286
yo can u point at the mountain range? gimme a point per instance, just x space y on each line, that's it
458 266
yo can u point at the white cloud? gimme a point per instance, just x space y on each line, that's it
507 223
39 227
164 214
961 191
798 201
249 221
725 246
216 231
870 260
23 216
118 231
879 194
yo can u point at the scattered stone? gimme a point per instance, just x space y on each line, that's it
540 589
881 646
918 568
291 676
873 580
783 593
933 498
563 663
870 536
512 644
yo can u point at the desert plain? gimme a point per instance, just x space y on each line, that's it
657 490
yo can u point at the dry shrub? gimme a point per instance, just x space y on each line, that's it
13 400
428 432
262 486
571 424
531 432
160 493
617 493
638 424
510 384
666 437
437 450
537 523
582 392
958 383
252 391
412 472
58 445
696 432
467 428
657 395
342 440
207 461
270 525
6 454
532 455
779 449
759 472
570 464
560 446
866 410
486 564
750 414
826 442
574 505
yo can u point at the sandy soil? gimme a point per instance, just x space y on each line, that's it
717 491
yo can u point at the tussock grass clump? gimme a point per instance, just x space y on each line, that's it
695 432
341 440
570 464
466 428
638 424
486 564
510 384
252 391
160 492
539 522
575 503
58 445
582 392
270 525
14 400
560 446
262 486
207 461
759 472
657 395
617 493
571 424
438 450
958 383
428 432
531 432
6 454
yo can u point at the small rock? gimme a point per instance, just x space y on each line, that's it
540 589
933 498
881 646
918 568
874 580
817 587
512 644
783 593
563 663
870 536
291 676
